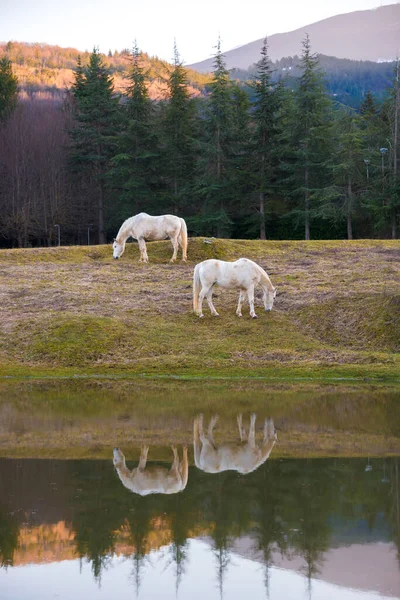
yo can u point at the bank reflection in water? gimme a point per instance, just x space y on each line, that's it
320 520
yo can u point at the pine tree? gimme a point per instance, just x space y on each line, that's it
93 136
265 134
384 199
217 148
179 131
348 167
368 108
135 164
78 87
8 88
311 135
238 167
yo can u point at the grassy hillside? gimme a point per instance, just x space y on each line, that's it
75 311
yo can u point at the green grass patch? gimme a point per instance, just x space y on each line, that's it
73 340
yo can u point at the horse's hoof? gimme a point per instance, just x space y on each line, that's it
201 316
254 317
238 315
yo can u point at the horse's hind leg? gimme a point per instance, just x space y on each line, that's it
174 242
208 293
210 302
250 295
175 464
143 457
239 306
242 431
251 440
180 244
196 440
199 428
211 426
143 251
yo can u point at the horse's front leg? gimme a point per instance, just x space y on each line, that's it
239 306
269 431
175 244
250 295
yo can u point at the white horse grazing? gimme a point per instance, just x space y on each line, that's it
244 456
145 227
243 274
153 480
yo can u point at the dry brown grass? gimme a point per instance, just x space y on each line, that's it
337 304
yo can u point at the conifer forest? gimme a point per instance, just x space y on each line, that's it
266 156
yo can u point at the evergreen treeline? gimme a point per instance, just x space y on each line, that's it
263 160
347 81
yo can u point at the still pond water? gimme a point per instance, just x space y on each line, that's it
255 518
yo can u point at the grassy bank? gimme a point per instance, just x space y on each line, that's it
74 311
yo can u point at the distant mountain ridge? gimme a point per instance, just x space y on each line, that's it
361 35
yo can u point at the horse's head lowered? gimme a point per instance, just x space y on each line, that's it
118 458
118 248
269 297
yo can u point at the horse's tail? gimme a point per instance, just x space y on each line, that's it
183 238
196 288
184 468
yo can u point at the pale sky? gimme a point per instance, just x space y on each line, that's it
155 24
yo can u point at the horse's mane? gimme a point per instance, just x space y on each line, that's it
265 278
125 225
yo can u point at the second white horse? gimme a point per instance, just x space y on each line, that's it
243 274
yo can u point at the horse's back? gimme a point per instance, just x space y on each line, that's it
154 480
236 274
230 457
156 227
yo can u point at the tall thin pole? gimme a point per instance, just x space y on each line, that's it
59 234
395 140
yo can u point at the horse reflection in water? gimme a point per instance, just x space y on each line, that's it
244 456
155 479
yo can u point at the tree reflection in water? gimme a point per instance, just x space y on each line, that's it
298 508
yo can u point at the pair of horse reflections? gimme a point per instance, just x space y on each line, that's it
242 274
244 457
